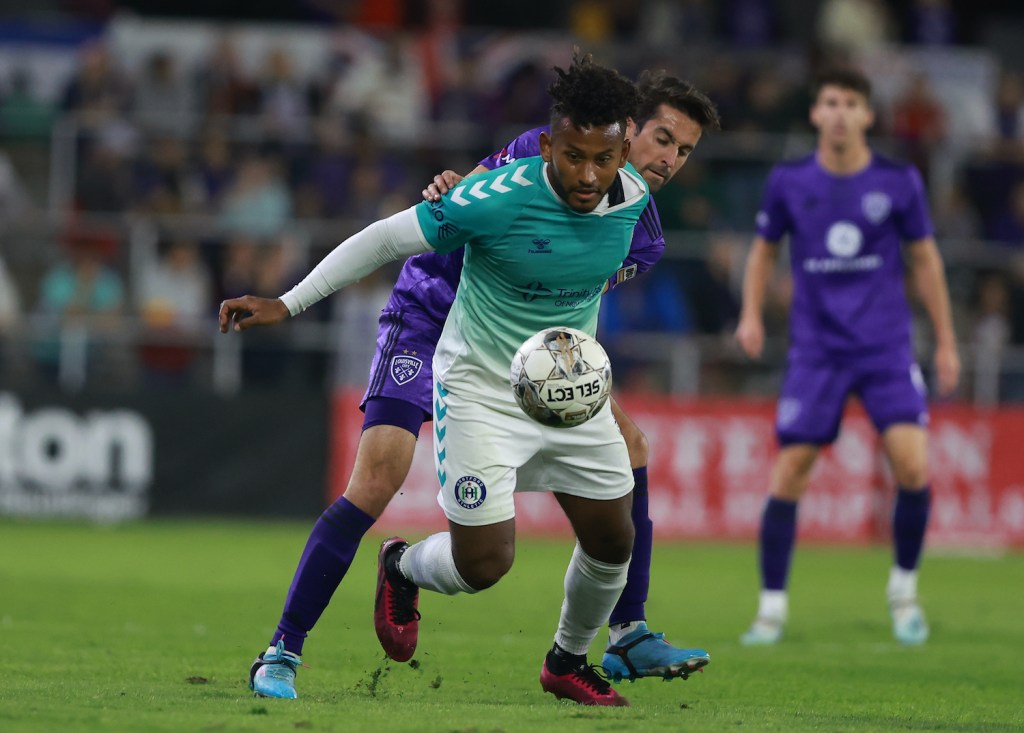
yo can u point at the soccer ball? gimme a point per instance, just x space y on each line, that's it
561 377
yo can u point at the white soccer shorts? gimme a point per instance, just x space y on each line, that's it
487 449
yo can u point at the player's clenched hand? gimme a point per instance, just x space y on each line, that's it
247 311
750 336
443 183
947 369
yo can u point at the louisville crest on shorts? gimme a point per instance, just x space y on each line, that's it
405 368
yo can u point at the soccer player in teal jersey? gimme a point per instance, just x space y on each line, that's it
582 197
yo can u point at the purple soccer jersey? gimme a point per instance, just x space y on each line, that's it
412 319
849 321
846 235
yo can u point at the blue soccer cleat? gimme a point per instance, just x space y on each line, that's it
272 673
643 653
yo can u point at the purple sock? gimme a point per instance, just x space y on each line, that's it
326 558
909 522
778 533
638 579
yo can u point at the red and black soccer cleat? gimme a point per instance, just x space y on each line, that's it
583 684
394 610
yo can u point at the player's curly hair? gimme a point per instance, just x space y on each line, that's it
658 87
591 95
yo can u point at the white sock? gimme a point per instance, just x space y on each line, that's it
431 565
902 585
617 631
774 605
592 588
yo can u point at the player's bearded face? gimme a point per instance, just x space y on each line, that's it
584 161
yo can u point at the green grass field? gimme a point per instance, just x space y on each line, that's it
151 627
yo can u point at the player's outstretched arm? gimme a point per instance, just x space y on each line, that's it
248 311
445 181
758 270
929 277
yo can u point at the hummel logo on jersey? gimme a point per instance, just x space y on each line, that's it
482 190
446 230
541 247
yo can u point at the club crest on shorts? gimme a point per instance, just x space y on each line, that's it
470 492
788 411
876 206
405 368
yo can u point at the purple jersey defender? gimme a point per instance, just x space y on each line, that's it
850 321
412 319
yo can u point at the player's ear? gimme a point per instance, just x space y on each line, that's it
624 156
545 146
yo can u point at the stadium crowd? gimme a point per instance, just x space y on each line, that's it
247 167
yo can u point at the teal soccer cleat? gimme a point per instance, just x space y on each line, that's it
272 673
643 653
908 623
763 632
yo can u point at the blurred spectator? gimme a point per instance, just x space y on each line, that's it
164 101
284 100
931 23
955 218
83 294
97 94
266 353
223 88
749 23
105 182
854 25
13 198
326 189
369 197
991 332
712 285
771 104
215 169
1008 227
22 114
356 310
162 182
669 22
384 94
10 300
521 99
258 202
591 20
174 298
653 304
1010 107
918 120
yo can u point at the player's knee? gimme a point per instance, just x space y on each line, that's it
610 546
483 571
911 473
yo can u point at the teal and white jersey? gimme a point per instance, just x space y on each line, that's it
531 262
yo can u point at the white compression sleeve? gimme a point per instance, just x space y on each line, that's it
383 241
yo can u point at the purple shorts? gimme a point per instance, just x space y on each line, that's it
401 368
811 404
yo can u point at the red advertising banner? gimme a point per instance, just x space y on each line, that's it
709 466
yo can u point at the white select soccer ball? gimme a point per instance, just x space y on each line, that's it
561 377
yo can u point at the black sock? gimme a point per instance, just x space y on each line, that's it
562 662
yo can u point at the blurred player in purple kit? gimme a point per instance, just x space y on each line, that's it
399 399
852 217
